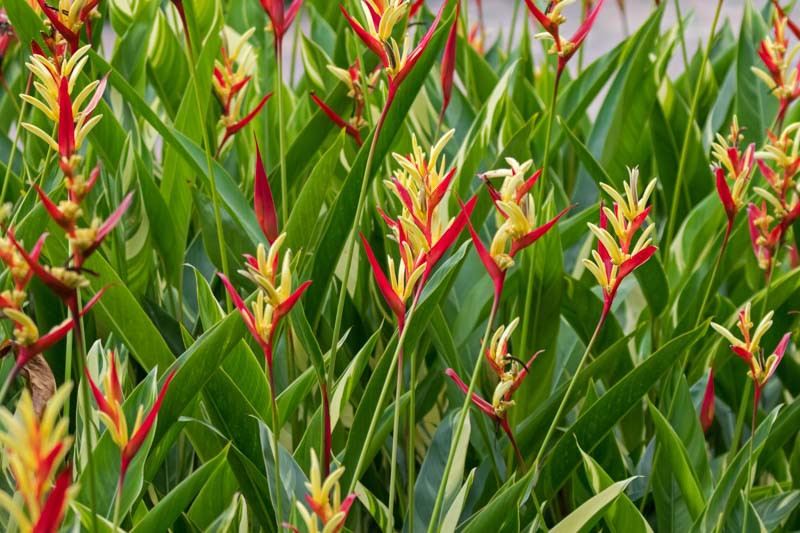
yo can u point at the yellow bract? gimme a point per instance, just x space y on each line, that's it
265 275
320 491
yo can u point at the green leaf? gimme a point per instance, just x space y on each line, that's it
169 508
753 102
584 517
678 460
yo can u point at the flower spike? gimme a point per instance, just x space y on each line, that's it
264 203
707 408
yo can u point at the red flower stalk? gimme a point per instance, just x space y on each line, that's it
449 64
707 408
552 19
68 22
263 201
110 407
378 38
749 350
280 19
516 218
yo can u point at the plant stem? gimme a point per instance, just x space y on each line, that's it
10 161
373 423
564 400
412 437
117 502
739 427
682 36
210 164
750 462
362 195
687 135
275 440
526 314
437 506
395 435
514 15
281 152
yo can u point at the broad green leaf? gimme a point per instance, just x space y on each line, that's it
584 517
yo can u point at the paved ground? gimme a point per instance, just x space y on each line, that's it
611 27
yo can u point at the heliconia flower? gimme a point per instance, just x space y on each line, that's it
516 217
616 255
381 20
280 18
776 56
55 82
34 449
782 14
112 415
27 341
68 17
449 64
784 153
749 350
228 80
707 408
497 409
735 165
274 300
19 270
765 239
324 501
351 130
400 289
552 19
263 202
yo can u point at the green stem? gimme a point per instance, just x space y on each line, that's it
412 437
117 502
682 36
561 408
10 161
686 137
526 314
395 437
750 472
281 151
739 427
275 450
362 195
514 15
373 423
437 506
223 254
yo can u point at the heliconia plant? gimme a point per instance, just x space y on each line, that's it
554 257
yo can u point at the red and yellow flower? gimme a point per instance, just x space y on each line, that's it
324 501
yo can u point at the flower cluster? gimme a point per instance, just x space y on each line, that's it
510 372
68 17
324 500
516 219
750 351
777 56
35 448
617 255
382 16
551 20
231 76
732 165
109 403
351 77
423 230
274 297
7 38
780 202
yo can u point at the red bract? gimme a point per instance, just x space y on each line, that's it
415 7
280 18
351 130
397 67
232 127
765 240
393 300
707 408
56 504
60 18
725 197
263 202
551 21
449 64
782 13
